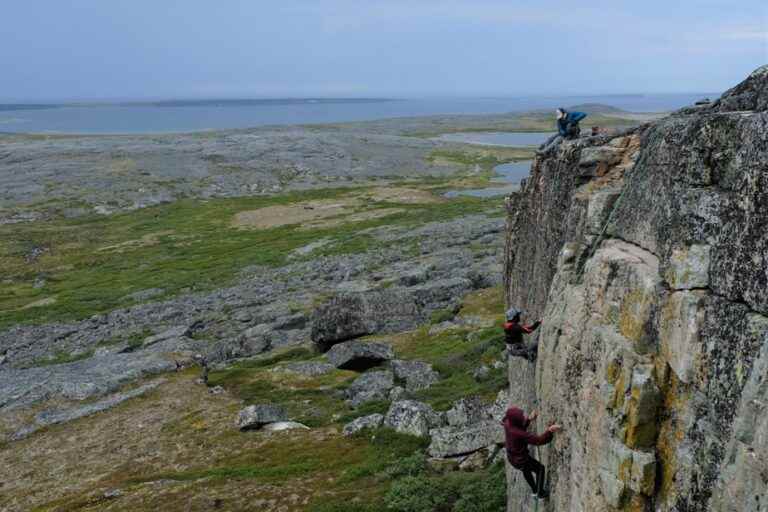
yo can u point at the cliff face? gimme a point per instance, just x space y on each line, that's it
646 255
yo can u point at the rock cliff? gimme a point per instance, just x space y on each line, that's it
646 255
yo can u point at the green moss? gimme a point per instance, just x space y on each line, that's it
366 409
441 315
95 263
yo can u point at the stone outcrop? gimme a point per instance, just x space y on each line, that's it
452 441
351 315
646 255
417 375
354 355
256 416
362 423
412 417
374 385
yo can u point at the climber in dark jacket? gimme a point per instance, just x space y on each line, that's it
568 123
567 128
517 438
513 334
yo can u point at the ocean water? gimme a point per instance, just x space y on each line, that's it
188 116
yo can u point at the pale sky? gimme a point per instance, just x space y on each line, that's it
54 50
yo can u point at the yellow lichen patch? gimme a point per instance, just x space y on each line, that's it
613 371
633 315
671 433
637 503
625 470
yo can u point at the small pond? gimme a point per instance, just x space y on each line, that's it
520 139
508 180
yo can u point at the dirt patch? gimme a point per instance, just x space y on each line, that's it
309 213
298 213
355 217
401 195
137 447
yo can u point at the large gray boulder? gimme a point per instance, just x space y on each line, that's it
365 422
370 386
256 416
351 315
256 339
354 355
466 411
417 375
412 417
453 441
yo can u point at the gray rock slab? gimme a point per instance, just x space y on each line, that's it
362 423
417 375
258 415
354 355
453 441
412 417
54 417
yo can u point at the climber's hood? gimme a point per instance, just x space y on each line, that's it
515 417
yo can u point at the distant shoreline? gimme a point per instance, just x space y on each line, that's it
245 102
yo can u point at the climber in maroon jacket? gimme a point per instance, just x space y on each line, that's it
517 438
513 334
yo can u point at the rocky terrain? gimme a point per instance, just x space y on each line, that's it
645 255
173 337
287 319
48 176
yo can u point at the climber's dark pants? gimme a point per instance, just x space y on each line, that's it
529 468
523 350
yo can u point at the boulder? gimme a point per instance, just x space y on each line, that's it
466 411
607 155
412 417
417 375
499 407
453 441
397 393
370 386
279 426
351 315
256 340
364 422
256 416
357 356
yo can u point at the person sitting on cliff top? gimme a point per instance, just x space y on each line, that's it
513 335
567 128
517 438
